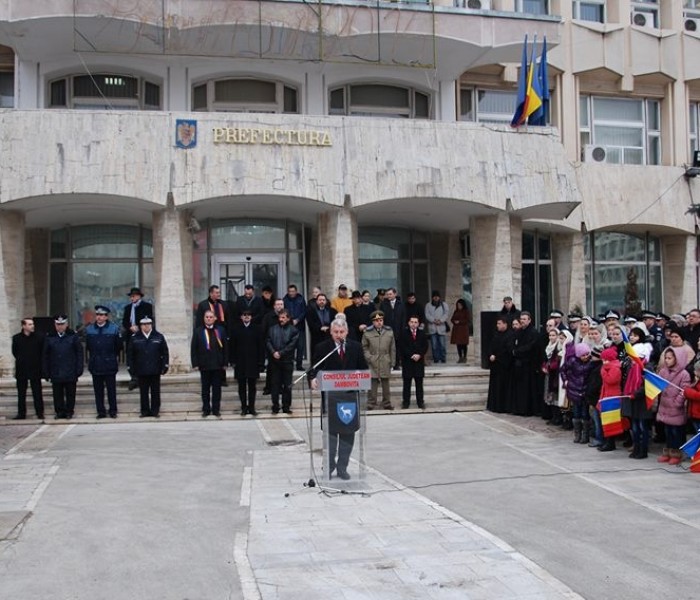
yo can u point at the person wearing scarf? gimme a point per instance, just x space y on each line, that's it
209 353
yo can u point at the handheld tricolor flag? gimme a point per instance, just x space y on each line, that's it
692 446
529 100
611 415
653 386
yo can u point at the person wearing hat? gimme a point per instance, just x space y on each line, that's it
342 300
509 310
436 315
103 344
379 349
136 310
379 298
612 317
148 358
27 348
209 354
557 315
247 355
572 320
359 316
656 334
62 364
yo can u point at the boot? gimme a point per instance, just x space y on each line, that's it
608 445
577 430
556 416
566 423
675 456
585 431
665 456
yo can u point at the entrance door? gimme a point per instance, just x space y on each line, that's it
234 271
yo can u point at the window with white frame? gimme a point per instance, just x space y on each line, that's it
104 91
645 13
694 120
589 10
691 16
380 100
487 106
532 7
628 129
244 94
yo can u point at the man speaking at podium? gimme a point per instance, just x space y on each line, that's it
348 356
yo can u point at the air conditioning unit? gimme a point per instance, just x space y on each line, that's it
595 154
692 24
643 19
474 4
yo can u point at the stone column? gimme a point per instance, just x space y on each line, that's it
12 295
568 272
172 248
496 247
337 248
680 276
36 271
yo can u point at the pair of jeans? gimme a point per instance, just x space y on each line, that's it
640 434
675 436
580 410
437 343
597 423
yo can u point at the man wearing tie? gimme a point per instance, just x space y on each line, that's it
346 356
413 345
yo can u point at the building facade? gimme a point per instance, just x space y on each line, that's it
174 144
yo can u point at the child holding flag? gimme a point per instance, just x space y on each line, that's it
672 403
692 395
611 374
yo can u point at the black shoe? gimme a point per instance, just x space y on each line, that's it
155 416
287 411
205 413
266 392
253 413
390 407
59 416
275 410
69 416
101 416
344 475
421 405
641 454
19 418
40 417
371 407
133 384
112 415
608 446
143 415
216 414
404 405
244 412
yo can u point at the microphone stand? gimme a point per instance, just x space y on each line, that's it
312 369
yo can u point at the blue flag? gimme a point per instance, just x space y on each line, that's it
541 81
692 445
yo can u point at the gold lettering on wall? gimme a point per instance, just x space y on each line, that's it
279 137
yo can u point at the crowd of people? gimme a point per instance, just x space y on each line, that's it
563 371
254 334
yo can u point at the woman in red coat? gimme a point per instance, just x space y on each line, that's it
460 329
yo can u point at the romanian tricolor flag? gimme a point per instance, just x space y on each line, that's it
653 386
541 84
528 98
692 446
611 415
630 351
695 463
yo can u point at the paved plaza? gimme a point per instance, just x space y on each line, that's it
460 505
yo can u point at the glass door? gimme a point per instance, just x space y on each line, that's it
233 272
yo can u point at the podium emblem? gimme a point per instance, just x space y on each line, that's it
346 411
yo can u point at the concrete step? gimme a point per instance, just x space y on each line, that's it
447 388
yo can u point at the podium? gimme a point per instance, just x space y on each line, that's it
343 413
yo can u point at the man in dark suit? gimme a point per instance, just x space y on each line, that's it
247 355
209 353
319 318
413 345
348 356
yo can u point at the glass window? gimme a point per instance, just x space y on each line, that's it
104 91
623 272
536 275
106 241
628 129
590 10
694 120
380 100
7 89
251 234
532 7
244 94
393 257
97 264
